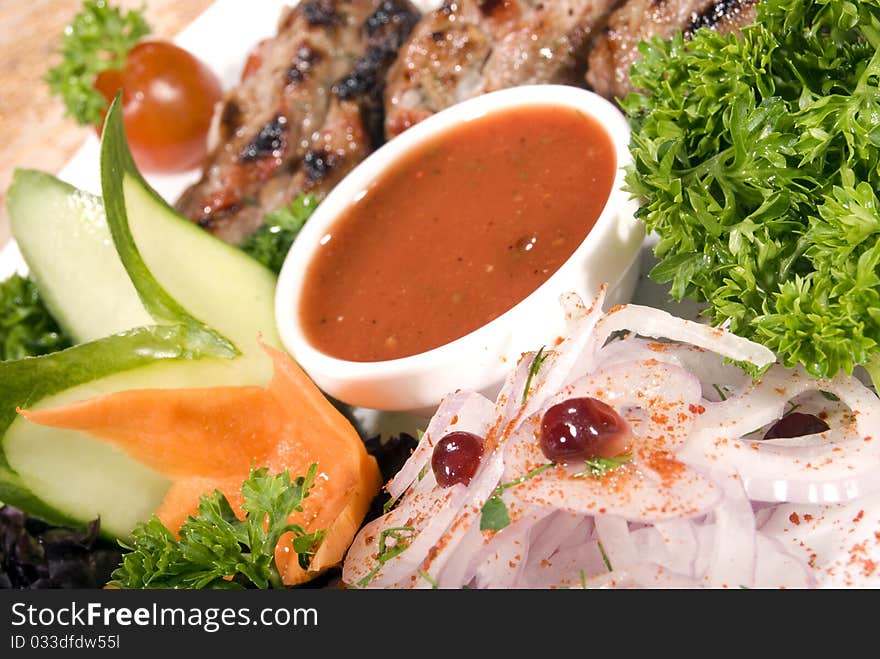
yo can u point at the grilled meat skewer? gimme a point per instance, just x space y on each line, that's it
272 120
617 49
469 47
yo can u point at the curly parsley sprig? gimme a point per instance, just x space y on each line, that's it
271 242
26 327
98 39
757 157
217 550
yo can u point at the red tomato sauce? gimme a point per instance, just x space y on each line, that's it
457 232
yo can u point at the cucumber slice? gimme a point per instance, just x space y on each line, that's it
79 479
182 273
211 302
64 238
39 466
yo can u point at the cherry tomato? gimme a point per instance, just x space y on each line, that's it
168 100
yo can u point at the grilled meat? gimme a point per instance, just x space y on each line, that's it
617 49
440 65
354 125
469 47
548 45
325 51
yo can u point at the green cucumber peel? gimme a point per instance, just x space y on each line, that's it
24 382
116 164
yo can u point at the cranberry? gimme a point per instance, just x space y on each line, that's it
796 424
456 458
582 428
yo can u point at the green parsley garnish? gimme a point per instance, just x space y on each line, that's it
26 327
721 394
97 40
271 242
215 548
605 557
533 371
755 155
401 536
431 580
493 514
598 467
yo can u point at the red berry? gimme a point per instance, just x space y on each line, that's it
796 424
580 429
456 458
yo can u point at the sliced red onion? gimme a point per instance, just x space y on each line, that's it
571 357
838 542
459 411
679 540
837 465
776 568
647 321
732 558
417 513
704 501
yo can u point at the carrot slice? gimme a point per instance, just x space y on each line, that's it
208 438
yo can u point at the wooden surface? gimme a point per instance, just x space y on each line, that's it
33 130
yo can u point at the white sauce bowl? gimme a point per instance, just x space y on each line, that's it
480 360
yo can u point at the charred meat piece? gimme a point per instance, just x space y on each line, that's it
339 147
469 47
267 121
354 122
387 29
440 65
548 45
637 20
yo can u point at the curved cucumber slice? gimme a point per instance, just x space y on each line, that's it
211 302
63 235
42 476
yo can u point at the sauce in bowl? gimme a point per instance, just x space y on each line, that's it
457 232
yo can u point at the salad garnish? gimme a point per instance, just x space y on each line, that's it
493 514
169 95
34 554
401 537
756 158
698 498
215 548
98 39
270 243
533 371
598 467
27 328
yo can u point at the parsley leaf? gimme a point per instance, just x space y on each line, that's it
756 159
26 327
98 39
401 535
533 371
431 580
598 467
605 557
493 514
215 548
270 243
